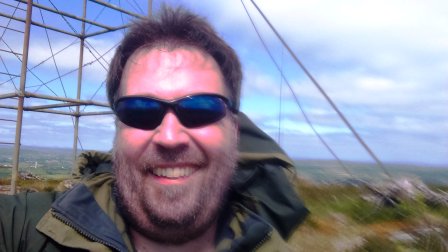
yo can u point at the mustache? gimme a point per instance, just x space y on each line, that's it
159 156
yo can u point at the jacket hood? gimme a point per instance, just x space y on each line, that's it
256 146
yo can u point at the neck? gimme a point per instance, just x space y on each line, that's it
203 243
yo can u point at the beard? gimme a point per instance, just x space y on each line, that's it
177 213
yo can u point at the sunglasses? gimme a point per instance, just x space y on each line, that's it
192 111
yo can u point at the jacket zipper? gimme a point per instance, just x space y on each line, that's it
67 222
265 238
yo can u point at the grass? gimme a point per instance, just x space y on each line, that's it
341 220
432 241
377 243
44 185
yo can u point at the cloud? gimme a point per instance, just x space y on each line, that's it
290 126
103 122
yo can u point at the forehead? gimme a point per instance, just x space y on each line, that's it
171 73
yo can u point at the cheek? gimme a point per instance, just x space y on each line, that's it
133 141
215 138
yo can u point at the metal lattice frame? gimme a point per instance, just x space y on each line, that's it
60 102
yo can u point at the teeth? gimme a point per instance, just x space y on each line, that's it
173 172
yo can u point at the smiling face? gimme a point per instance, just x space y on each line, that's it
172 180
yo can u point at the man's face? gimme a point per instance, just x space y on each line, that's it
172 180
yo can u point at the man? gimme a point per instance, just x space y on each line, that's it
174 86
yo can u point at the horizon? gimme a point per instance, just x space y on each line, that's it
332 161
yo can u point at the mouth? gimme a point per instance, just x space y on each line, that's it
173 172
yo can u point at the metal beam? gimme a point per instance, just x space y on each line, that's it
40 25
96 113
15 7
10 95
8 107
63 99
50 111
26 43
106 31
59 105
78 92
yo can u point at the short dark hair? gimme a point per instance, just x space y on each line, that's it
175 28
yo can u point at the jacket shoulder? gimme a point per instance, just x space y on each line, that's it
19 215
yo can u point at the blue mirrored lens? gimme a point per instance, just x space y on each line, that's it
140 112
200 110
192 111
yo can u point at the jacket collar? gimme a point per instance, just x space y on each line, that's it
87 211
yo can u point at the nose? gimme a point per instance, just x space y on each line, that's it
170 133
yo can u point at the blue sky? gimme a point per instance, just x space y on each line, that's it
383 63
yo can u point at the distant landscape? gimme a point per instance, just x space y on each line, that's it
40 161
327 171
58 162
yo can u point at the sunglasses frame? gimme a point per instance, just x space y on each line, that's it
172 104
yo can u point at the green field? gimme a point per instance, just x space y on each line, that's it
44 162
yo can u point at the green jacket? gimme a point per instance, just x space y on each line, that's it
263 211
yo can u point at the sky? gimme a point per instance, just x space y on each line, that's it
384 65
